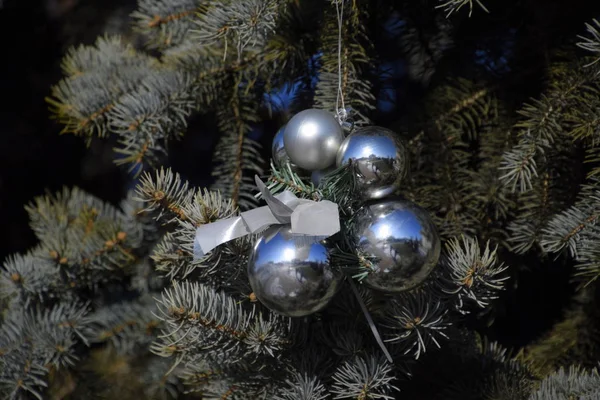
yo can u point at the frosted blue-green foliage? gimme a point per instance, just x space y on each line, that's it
220 58
571 383
63 296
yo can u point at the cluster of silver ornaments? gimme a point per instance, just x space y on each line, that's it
402 238
294 278
291 274
379 160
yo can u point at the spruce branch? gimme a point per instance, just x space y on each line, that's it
284 178
302 387
591 43
247 24
165 194
572 226
82 100
536 207
588 266
519 165
34 342
546 125
26 280
570 383
22 377
166 23
200 320
364 378
452 6
220 381
472 107
237 157
108 55
170 259
129 327
475 276
416 321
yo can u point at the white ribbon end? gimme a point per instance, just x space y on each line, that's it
316 219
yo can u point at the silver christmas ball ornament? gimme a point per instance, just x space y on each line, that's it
280 156
290 274
403 240
379 159
312 139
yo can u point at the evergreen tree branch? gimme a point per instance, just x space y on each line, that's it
200 320
237 157
302 387
566 384
569 228
416 321
165 23
474 276
366 378
452 6
591 43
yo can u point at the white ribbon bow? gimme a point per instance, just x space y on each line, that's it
307 217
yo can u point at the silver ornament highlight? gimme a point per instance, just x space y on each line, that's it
404 240
312 139
290 274
280 156
379 158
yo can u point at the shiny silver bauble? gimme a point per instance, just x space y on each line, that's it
290 274
379 159
312 139
402 238
280 156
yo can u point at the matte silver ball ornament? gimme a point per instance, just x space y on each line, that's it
402 238
379 158
280 156
312 139
291 274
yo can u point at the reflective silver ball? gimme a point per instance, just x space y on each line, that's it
291 275
312 139
280 156
380 160
402 238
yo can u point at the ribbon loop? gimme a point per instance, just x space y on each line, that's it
306 217
281 212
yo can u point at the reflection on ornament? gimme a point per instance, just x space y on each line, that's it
280 157
402 238
312 138
291 274
379 159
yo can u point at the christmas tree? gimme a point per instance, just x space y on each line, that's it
495 123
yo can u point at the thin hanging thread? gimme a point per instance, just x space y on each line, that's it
340 94
370 321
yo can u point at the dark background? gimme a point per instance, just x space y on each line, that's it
35 158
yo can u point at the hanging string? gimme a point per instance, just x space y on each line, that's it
339 9
370 321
